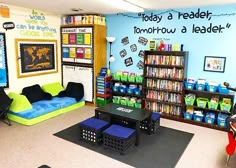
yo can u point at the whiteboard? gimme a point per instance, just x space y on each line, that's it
82 75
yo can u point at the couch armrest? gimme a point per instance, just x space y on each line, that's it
20 102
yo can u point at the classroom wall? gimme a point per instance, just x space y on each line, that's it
30 24
203 31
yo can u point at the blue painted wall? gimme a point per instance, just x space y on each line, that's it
221 43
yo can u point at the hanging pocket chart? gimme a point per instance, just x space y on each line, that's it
82 75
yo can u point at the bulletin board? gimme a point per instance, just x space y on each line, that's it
77 44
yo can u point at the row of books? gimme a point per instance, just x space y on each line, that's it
164 60
165 84
153 106
83 19
164 96
165 72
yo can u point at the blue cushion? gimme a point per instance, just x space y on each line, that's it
94 123
119 131
155 116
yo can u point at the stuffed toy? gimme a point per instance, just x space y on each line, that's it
161 46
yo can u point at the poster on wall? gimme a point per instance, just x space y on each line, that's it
3 62
36 57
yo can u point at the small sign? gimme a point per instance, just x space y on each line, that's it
124 109
125 40
129 61
140 64
8 25
133 47
142 41
123 53
141 53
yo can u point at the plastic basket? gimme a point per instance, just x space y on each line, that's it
101 101
221 120
197 118
116 100
213 105
123 90
138 105
212 88
201 102
131 78
130 103
210 118
188 116
200 87
124 78
116 76
225 107
123 102
137 91
116 88
139 79
223 89
188 85
130 91
189 101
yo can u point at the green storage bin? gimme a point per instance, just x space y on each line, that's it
225 107
139 79
202 102
138 105
116 76
124 102
131 78
124 78
130 103
189 101
101 101
116 100
213 105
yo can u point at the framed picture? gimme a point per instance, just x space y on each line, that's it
36 57
214 64
3 62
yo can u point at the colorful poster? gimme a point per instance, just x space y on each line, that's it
72 52
80 39
72 38
87 39
65 38
65 51
87 53
80 52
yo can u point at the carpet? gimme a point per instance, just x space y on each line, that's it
160 150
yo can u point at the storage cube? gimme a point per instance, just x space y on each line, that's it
90 130
212 88
223 89
119 138
153 125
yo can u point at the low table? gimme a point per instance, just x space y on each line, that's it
131 114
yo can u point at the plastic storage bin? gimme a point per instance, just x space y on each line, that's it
212 105
131 78
212 88
188 85
221 120
139 79
223 89
200 87
197 117
202 102
138 105
116 76
188 116
210 118
225 107
189 101
116 99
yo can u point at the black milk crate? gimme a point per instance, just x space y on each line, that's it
154 124
118 144
91 134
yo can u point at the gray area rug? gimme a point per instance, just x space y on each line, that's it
160 150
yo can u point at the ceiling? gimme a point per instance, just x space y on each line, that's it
63 7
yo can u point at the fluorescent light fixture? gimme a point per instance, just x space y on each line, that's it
122 4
